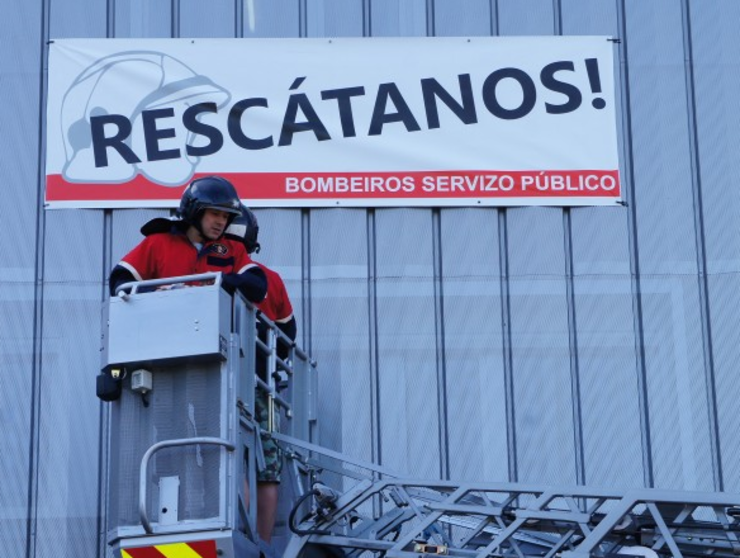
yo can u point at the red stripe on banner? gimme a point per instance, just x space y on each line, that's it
206 549
58 189
144 552
357 186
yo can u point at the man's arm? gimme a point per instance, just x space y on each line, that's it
285 320
251 282
290 329
119 276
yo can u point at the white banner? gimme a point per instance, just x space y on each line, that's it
334 122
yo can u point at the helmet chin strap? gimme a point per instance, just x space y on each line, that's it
196 224
199 224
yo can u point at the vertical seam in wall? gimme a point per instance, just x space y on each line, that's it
302 18
367 23
110 19
104 408
38 304
575 377
701 253
570 300
637 312
442 424
493 22
175 31
374 352
430 19
503 255
306 278
557 11
372 313
239 19
439 337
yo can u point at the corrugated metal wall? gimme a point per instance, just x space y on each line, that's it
592 345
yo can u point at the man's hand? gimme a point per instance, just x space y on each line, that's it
172 287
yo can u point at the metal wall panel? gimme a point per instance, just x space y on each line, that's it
540 346
662 168
605 361
725 301
74 248
609 399
335 18
83 18
407 374
533 17
676 384
473 345
20 87
599 241
271 18
715 53
215 18
391 18
69 426
149 19
597 17
667 239
16 388
451 21
716 68
340 328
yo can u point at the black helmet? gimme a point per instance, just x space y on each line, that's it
245 229
209 192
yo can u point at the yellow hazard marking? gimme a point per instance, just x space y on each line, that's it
125 554
177 550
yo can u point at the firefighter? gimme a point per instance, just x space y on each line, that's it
194 243
277 307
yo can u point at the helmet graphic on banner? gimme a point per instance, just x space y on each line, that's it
208 192
127 84
245 229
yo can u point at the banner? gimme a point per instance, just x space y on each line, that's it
333 122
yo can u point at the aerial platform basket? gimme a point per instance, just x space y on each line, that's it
170 323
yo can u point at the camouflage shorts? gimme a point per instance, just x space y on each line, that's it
273 463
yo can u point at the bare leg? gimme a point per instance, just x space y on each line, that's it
267 500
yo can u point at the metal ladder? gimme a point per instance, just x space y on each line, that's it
379 513
405 518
